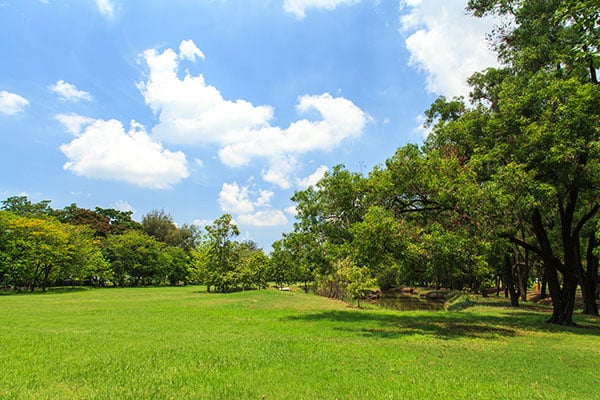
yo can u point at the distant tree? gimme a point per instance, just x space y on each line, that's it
35 249
284 266
160 225
220 255
75 215
22 206
120 221
136 258
355 281
251 267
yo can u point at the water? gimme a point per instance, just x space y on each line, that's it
402 302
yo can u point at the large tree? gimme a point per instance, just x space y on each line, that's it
533 138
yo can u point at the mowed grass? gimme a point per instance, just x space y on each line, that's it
182 343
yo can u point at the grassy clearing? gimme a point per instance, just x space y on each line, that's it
176 343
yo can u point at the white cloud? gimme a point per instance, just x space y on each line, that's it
202 223
446 43
312 179
122 205
292 210
234 199
189 110
192 112
341 120
73 122
106 8
266 218
299 7
12 103
104 150
279 171
189 51
421 130
69 92
264 200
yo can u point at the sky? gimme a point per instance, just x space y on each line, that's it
206 107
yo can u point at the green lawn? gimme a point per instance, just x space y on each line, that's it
181 343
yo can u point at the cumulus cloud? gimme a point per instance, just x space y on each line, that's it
292 210
279 170
12 103
313 178
123 205
446 43
237 200
105 150
234 199
299 7
188 50
106 8
73 122
69 92
264 198
190 111
266 218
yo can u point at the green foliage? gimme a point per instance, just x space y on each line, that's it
354 280
228 265
37 252
136 258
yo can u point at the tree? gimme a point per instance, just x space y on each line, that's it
354 280
252 266
379 242
160 225
22 206
75 215
35 250
137 259
120 221
220 255
538 121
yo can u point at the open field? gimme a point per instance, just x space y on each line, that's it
181 343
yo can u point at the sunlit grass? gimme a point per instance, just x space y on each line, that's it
181 343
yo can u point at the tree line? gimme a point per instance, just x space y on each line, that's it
42 247
506 187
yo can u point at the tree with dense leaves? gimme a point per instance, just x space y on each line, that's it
533 138
220 256
22 206
36 252
137 259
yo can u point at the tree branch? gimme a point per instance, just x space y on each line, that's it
585 219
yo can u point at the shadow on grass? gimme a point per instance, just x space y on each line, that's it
443 325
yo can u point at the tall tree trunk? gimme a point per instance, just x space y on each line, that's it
523 277
507 277
563 300
543 290
589 279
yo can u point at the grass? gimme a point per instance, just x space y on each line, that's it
181 343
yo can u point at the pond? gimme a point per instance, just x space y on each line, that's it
403 302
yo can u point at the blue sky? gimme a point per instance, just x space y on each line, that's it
205 107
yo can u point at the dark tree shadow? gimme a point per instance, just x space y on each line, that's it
443 325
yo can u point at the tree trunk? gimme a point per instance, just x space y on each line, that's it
565 304
509 282
523 277
543 291
589 280
563 301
